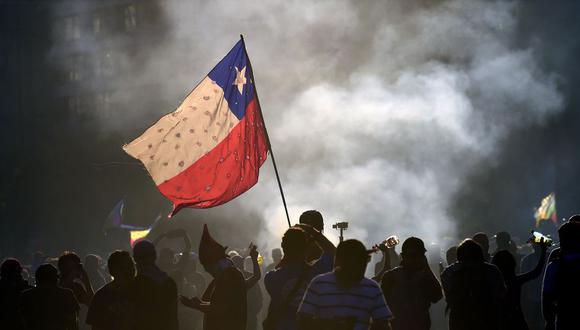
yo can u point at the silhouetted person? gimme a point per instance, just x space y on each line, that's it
276 258
450 258
166 261
344 298
38 258
313 219
483 240
451 255
48 306
561 288
193 276
503 240
389 259
93 266
111 307
11 286
473 290
411 288
72 275
152 293
224 301
532 290
254 296
512 316
195 284
287 283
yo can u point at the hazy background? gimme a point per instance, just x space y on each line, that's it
429 118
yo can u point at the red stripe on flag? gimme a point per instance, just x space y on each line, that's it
226 171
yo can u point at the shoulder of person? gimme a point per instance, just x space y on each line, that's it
396 270
369 283
272 274
325 277
450 269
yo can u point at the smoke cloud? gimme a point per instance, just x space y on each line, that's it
378 111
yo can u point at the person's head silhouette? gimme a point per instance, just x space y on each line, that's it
313 218
469 251
483 240
276 255
121 265
350 262
46 276
505 262
451 255
11 270
69 263
294 244
569 234
92 262
238 261
144 253
503 240
413 253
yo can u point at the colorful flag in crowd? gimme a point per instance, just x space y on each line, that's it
115 220
547 210
209 150
115 217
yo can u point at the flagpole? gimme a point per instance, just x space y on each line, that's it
266 133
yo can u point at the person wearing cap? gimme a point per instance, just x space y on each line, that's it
561 287
152 293
411 288
48 306
224 301
474 290
11 286
312 223
344 298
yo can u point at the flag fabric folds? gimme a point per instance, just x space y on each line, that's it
209 150
547 210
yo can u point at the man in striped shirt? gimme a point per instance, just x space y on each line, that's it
345 299
286 284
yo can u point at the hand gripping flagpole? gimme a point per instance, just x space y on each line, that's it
267 136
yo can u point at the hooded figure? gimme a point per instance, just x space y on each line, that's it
224 301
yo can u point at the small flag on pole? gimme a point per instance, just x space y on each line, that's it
547 210
115 220
115 217
209 150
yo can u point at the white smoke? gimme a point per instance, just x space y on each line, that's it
377 111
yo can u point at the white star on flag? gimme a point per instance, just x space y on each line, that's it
240 80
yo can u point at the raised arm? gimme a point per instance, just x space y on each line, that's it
321 240
525 277
257 272
386 262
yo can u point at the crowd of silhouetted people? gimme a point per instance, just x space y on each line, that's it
310 284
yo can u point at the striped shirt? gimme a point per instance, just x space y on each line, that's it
325 299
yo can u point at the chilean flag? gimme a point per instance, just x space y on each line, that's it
209 150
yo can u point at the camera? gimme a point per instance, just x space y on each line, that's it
340 225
